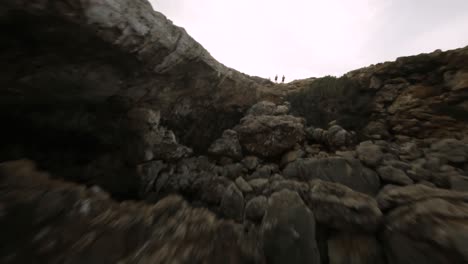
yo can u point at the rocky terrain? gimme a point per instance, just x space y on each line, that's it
157 153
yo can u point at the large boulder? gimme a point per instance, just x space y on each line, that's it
394 175
288 230
270 136
339 207
255 208
369 153
227 146
391 197
348 172
432 231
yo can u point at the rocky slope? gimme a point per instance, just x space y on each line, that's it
75 72
119 104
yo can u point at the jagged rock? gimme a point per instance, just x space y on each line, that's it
270 136
339 207
352 248
142 119
290 156
262 108
375 83
457 81
376 130
394 175
209 190
255 208
232 204
369 153
258 184
390 198
338 137
277 177
348 172
451 150
148 174
267 108
410 151
432 230
228 145
404 166
335 136
149 140
88 227
418 173
243 185
288 230
278 185
250 162
134 65
282 110
309 133
164 145
264 171
233 171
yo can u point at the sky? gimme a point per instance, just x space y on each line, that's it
314 38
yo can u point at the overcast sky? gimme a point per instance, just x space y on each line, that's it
312 38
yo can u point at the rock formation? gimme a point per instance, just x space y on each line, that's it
157 153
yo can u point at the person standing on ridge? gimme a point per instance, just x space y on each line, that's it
276 78
283 79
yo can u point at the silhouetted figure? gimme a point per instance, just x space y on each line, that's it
283 79
276 78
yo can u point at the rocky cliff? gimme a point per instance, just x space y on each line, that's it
157 153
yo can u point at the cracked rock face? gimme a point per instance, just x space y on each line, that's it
74 69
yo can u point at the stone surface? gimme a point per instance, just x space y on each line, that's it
278 185
348 172
410 151
137 97
369 153
232 203
105 64
270 136
228 146
243 185
451 150
289 157
288 230
427 231
393 175
390 198
267 108
339 207
258 184
255 208
250 162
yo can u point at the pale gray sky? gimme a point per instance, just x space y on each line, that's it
312 38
